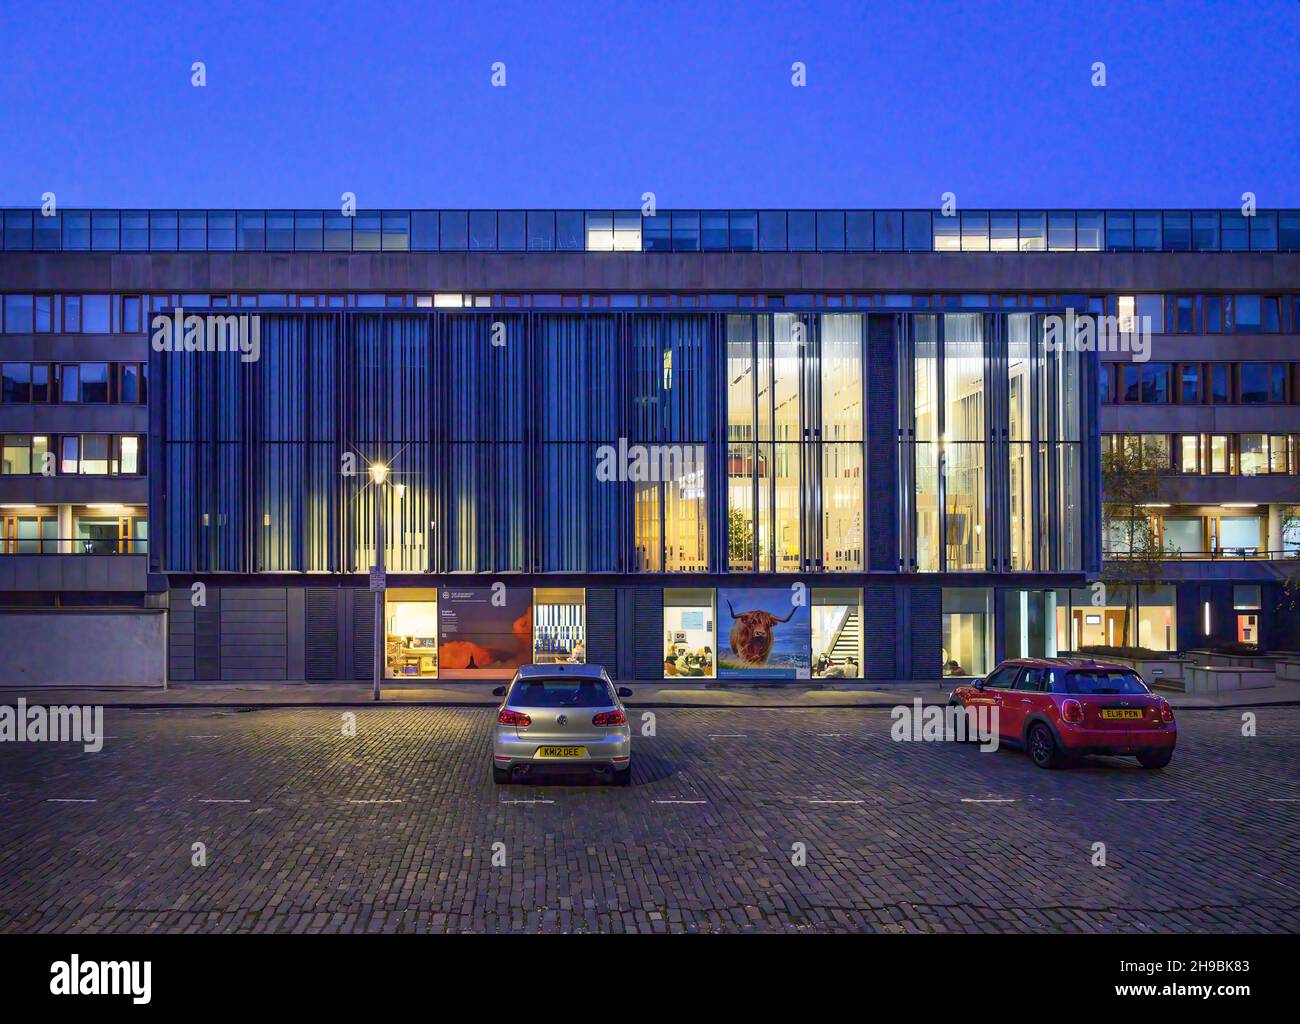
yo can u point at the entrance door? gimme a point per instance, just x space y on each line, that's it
1115 627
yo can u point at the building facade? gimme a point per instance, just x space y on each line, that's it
749 445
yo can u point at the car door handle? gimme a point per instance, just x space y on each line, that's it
1025 700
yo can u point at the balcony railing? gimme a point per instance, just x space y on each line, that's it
1218 554
72 546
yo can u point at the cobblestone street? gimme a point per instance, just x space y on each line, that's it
308 830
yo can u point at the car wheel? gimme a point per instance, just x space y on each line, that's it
501 776
1155 758
1042 747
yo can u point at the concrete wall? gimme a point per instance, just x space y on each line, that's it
90 648
1087 272
73 572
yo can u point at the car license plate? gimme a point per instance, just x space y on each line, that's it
562 752
1125 713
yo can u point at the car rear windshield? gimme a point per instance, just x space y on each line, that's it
1098 682
560 693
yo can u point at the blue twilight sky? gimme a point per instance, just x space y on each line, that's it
693 101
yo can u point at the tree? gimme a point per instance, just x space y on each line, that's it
740 537
1131 477
1288 598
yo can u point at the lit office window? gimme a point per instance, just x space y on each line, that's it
967 631
963 440
842 435
689 641
836 633
1019 448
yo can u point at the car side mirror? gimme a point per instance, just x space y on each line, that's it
623 691
500 691
979 685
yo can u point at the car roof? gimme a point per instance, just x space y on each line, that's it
555 671
1083 663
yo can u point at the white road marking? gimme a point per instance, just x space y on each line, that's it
221 800
681 801
68 800
1144 800
1284 800
374 801
213 736
970 800
830 735
527 801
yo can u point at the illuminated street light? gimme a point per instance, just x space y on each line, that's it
378 472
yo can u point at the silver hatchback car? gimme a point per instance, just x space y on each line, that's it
561 718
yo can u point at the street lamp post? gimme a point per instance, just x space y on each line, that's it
378 474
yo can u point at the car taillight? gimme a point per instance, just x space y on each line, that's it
1166 711
1072 711
609 718
507 717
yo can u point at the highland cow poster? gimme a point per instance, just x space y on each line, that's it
482 633
763 633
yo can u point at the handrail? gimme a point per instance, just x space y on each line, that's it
1244 554
73 546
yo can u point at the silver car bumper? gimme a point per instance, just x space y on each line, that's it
609 748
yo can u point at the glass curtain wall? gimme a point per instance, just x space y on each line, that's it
670 428
764 443
795 431
963 437
841 442
949 442
974 498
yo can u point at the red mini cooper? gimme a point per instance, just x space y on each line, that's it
1058 708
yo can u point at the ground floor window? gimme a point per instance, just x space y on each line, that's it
1157 618
1118 616
411 633
836 633
967 631
559 626
689 640
1029 623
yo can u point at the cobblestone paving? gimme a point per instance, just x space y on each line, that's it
307 830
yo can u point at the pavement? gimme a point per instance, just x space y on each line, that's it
644 694
741 819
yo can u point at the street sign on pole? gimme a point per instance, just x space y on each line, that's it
378 578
